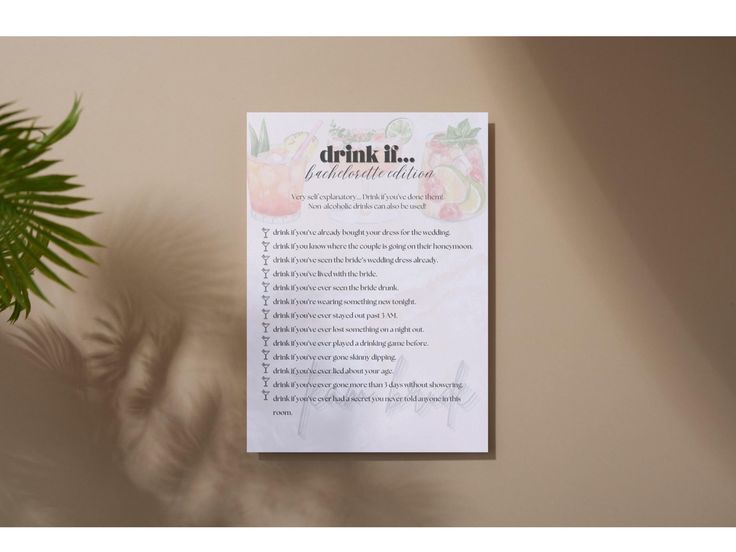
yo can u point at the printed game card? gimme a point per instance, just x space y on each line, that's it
367 286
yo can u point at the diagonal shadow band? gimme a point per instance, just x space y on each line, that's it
136 415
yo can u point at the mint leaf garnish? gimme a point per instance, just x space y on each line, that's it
461 135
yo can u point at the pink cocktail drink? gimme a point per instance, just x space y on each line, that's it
456 189
275 184
276 179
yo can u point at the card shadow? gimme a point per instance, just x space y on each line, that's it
413 456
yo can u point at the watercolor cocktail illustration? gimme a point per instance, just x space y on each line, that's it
276 174
398 132
456 190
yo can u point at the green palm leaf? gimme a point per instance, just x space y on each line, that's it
30 241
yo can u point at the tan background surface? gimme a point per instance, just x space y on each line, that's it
615 251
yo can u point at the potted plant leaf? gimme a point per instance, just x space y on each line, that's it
33 202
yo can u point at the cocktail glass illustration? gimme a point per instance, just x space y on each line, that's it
456 189
397 132
275 175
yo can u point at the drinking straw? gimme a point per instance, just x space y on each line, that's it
306 142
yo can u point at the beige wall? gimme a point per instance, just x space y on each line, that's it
615 257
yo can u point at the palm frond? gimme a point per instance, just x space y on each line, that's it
28 197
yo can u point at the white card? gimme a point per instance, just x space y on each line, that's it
367 282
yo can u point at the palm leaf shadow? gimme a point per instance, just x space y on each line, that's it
52 350
131 364
55 470
116 337
150 392
164 261
190 442
129 341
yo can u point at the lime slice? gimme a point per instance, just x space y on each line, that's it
293 142
399 128
455 184
475 200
